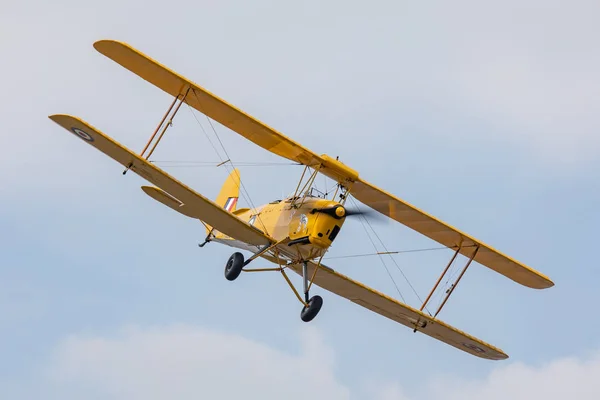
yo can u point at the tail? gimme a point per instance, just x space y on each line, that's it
229 194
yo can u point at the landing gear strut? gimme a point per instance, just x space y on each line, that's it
314 304
311 305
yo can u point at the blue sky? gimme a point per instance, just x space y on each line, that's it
483 115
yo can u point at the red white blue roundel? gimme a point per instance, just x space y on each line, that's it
83 135
473 347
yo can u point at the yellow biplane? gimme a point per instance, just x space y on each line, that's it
296 232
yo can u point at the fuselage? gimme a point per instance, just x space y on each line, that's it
311 223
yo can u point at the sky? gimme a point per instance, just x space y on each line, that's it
483 115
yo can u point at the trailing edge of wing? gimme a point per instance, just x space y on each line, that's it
388 307
445 234
190 202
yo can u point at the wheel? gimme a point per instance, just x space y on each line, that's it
314 306
234 266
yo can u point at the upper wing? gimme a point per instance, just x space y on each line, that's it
445 234
175 194
221 111
206 102
364 296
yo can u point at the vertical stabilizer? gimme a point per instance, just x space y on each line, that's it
229 194
230 191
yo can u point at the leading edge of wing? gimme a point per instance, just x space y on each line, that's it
195 204
204 101
443 233
386 306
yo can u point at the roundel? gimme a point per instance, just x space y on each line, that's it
473 347
83 135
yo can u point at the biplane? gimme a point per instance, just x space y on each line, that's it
293 233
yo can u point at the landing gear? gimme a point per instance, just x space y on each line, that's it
234 266
311 305
314 304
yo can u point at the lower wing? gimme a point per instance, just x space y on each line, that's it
174 193
377 302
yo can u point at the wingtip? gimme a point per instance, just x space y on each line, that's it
546 282
543 284
102 44
104 41
57 117
498 355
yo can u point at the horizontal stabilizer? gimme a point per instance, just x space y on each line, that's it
165 198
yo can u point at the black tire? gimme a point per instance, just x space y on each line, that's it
234 266
314 306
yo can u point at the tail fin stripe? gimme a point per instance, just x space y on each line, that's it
230 203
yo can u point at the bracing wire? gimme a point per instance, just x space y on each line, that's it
381 258
202 164
244 190
204 131
243 194
393 259
386 253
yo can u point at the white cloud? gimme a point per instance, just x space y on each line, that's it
560 379
192 362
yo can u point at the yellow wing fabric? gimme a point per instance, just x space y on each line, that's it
206 102
364 296
176 194
445 234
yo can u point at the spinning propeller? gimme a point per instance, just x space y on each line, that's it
339 211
